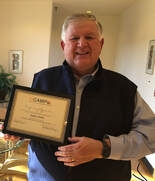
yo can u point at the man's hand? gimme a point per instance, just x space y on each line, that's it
9 137
81 150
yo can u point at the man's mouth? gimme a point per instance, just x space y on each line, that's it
82 53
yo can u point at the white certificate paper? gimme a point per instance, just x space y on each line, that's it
37 114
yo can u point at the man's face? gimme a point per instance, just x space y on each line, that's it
82 46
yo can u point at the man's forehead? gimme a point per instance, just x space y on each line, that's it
88 27
81 23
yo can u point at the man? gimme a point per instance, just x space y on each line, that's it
111 122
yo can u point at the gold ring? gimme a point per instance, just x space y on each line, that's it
72 159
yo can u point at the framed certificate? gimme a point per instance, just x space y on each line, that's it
39 115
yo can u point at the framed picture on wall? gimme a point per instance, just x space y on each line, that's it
16 61
151 57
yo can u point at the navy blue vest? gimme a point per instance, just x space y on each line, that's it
107 107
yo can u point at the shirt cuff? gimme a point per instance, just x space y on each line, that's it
116 147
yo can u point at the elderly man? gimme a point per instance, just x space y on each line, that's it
111 122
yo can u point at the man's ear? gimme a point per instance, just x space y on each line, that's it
62 44
102 42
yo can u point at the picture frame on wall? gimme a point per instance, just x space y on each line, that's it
151 57
16 61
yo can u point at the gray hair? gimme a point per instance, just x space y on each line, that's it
78 17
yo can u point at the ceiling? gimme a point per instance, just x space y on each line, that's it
98 7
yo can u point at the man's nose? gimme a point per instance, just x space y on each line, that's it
82 42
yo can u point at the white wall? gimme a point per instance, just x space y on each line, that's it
56 53
26 25
137 28
110 28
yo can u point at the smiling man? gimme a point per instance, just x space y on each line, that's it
82 46
111 123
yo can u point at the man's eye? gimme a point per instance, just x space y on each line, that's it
89 38
74 38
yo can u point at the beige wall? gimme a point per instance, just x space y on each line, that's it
26 25
137 28
111 27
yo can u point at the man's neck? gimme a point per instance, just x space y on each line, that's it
78 74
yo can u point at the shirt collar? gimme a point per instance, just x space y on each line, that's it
89 75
